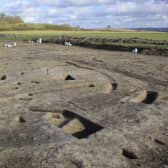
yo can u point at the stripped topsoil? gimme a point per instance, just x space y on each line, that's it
145 46
73 107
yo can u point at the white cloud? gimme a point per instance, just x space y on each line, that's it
91 13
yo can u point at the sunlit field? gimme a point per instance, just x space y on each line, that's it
101 34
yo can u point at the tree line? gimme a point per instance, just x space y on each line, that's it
8 22
6 19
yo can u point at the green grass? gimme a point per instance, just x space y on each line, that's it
98 39
98 34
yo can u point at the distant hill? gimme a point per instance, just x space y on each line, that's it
159 29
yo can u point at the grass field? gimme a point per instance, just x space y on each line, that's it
155 43
23 35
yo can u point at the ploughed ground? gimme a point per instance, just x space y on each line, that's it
72 107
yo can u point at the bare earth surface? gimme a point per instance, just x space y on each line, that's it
74 107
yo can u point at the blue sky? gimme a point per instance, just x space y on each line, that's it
91 13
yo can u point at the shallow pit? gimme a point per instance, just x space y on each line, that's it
115 86
3 77
91 85
73 124
146 97
20 119
151 97
129 154
69 77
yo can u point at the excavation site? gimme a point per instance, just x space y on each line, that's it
73 107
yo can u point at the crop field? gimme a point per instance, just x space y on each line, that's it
101 34
148 43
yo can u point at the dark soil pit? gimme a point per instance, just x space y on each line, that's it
3 77
91 85
19 83
69 77
79 126
151 97
22 73
30 94
35 82
129 154
20 119
115 86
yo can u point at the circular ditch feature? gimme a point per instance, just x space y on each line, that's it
57 79
146 97
72 123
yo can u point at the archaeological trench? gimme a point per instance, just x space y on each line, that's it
72 107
